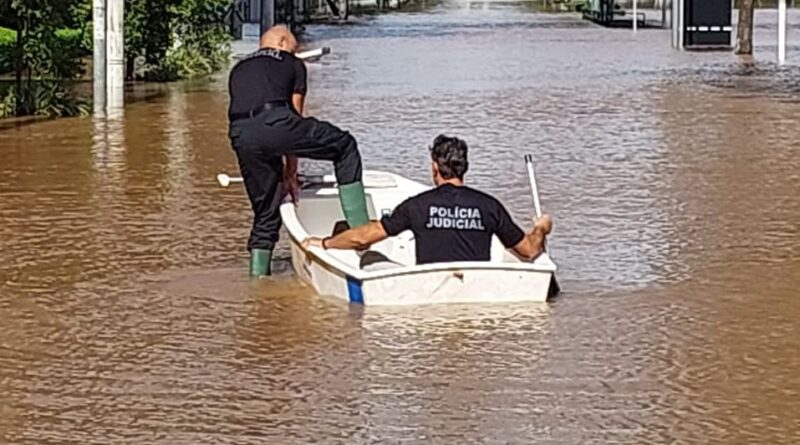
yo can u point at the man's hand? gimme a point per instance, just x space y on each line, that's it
543 224
291 184
312 242
292 187
532 245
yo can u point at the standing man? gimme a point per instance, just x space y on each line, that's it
268 134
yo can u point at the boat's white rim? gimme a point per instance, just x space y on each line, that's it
542 264
363 275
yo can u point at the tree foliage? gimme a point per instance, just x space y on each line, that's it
164 40
43 57
148 34
171 39
8 41
201 38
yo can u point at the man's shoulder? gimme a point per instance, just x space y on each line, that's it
425 196
268 55
481 195
441 192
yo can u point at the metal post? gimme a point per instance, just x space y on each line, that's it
635 15
681 24
99 58
781 32
267 15
116 55
673 22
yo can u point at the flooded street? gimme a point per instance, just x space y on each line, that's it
673 178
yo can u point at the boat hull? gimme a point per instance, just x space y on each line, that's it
398 280
453 283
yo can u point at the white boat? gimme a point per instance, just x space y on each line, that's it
395 279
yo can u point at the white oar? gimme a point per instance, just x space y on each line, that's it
225 180
314 53
373 180
537 206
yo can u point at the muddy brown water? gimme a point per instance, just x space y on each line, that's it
126 315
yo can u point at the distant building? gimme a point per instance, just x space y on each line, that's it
246 20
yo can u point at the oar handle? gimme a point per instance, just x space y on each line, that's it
314 53
537 205
225 180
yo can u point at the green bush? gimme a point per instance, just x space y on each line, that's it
202 40
52 99
8 38
194 61
71 41
46 55
8 103
44 98
69 45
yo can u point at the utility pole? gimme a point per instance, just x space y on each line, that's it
267 15
676 22
781 32
115 53
99 58
681 24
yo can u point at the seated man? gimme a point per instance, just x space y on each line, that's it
451 222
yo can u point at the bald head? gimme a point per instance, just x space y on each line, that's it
279 37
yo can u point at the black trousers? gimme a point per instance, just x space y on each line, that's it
260 143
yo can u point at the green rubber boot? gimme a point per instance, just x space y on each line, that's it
354 204
260 262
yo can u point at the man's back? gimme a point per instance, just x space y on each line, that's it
453 223
265 76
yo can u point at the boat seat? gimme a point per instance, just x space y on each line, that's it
339 227
370 259
374 260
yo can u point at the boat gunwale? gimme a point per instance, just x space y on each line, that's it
359 274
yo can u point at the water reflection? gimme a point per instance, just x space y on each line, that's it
108 146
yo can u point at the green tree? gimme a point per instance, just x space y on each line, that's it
164 40
41 58
744 32
171 39
148 34
201 38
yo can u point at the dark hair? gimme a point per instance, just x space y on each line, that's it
450 154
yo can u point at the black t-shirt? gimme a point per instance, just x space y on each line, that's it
452 223
264 76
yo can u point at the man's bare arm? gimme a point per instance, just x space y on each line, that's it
298 102
532 245
290 165
359 238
